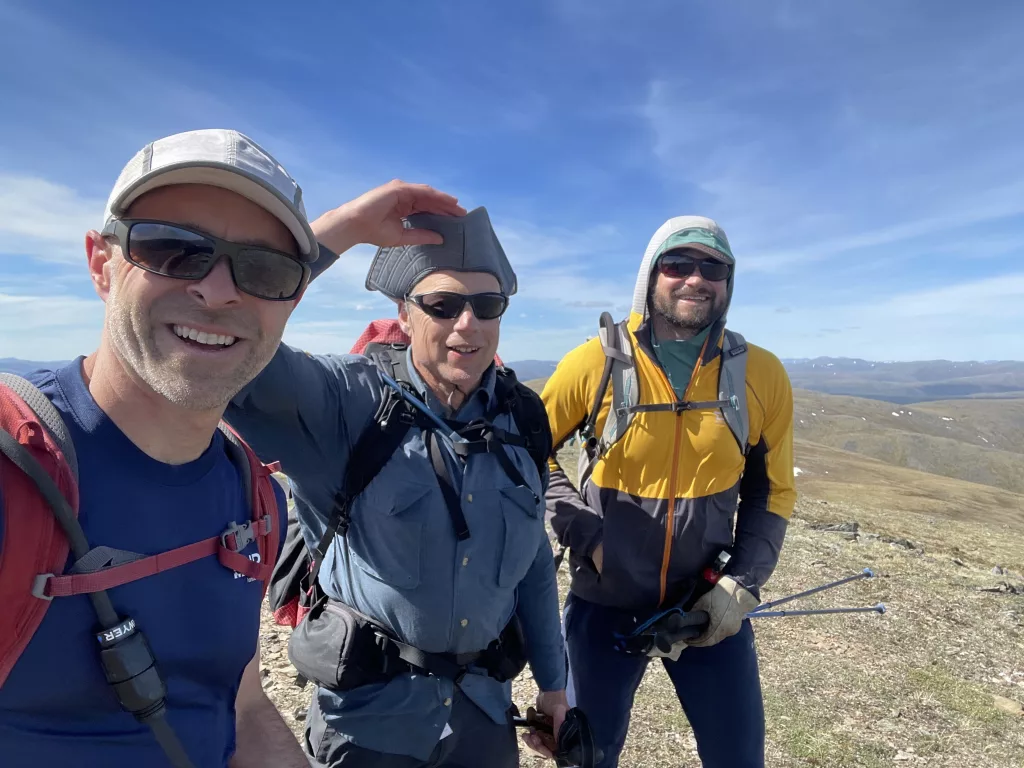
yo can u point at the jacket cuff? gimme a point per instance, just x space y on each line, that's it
758 545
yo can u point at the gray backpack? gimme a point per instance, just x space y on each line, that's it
620 370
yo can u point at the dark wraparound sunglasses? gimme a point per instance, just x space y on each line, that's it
681 264
175 251
447 306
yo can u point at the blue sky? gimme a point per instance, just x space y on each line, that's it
866 159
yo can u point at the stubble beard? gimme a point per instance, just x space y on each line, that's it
182 381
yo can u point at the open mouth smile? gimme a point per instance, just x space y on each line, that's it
196 338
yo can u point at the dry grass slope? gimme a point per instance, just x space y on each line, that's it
915 686
936 681
981 441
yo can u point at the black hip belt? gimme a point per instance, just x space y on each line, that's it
339 648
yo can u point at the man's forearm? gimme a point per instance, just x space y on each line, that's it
263 739
759 538
338 229
538 610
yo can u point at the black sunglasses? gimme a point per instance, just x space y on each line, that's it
681 264
447 305
175 251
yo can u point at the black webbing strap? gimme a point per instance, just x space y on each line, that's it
371 452
451 497
451 666
484 437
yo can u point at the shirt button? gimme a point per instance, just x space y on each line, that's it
465 562
447 702
464 622
469 498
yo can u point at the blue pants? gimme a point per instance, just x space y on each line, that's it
718 687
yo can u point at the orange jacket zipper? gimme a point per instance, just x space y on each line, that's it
677 445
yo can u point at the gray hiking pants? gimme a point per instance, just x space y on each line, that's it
476 741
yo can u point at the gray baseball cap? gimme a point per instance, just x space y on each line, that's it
218 158
470 245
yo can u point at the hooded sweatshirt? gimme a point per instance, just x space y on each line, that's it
675 489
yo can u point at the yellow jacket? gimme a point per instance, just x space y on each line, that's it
665 498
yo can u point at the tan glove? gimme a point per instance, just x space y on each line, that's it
727 604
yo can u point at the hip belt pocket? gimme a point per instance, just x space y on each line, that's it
337 647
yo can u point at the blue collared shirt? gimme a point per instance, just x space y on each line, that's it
401 563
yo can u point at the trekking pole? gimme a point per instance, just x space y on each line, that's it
867 573
880 608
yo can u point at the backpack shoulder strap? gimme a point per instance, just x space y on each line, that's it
372 450
264 517
620 372
45 494
33 468
47 413
732 386
390 358
529 414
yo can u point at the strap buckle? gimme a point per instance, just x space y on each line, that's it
237 537
39 586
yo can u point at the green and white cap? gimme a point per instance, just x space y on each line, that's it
708 239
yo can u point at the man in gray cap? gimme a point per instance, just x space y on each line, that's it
204 250
419 475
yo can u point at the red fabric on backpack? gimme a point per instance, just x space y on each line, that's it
34 542
264 503
380 332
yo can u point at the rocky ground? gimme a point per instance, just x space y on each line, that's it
937 680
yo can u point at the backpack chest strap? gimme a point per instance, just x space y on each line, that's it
226 547
699 405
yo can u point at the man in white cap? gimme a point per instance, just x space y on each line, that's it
152 622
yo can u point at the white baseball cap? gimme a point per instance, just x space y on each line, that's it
218 158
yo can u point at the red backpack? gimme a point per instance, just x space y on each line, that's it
39 492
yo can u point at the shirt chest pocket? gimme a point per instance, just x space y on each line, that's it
386 536
520 513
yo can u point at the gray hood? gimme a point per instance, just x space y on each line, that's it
697 232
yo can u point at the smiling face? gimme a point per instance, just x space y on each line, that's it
196 343
451 355
684 306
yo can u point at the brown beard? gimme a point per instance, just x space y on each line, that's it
696 321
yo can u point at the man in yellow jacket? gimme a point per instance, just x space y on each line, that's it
691 463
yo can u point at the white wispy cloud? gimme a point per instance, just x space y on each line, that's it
49 327
965 320
801 166
45 219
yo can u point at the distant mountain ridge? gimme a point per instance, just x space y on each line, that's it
892 381
533 369
908 382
